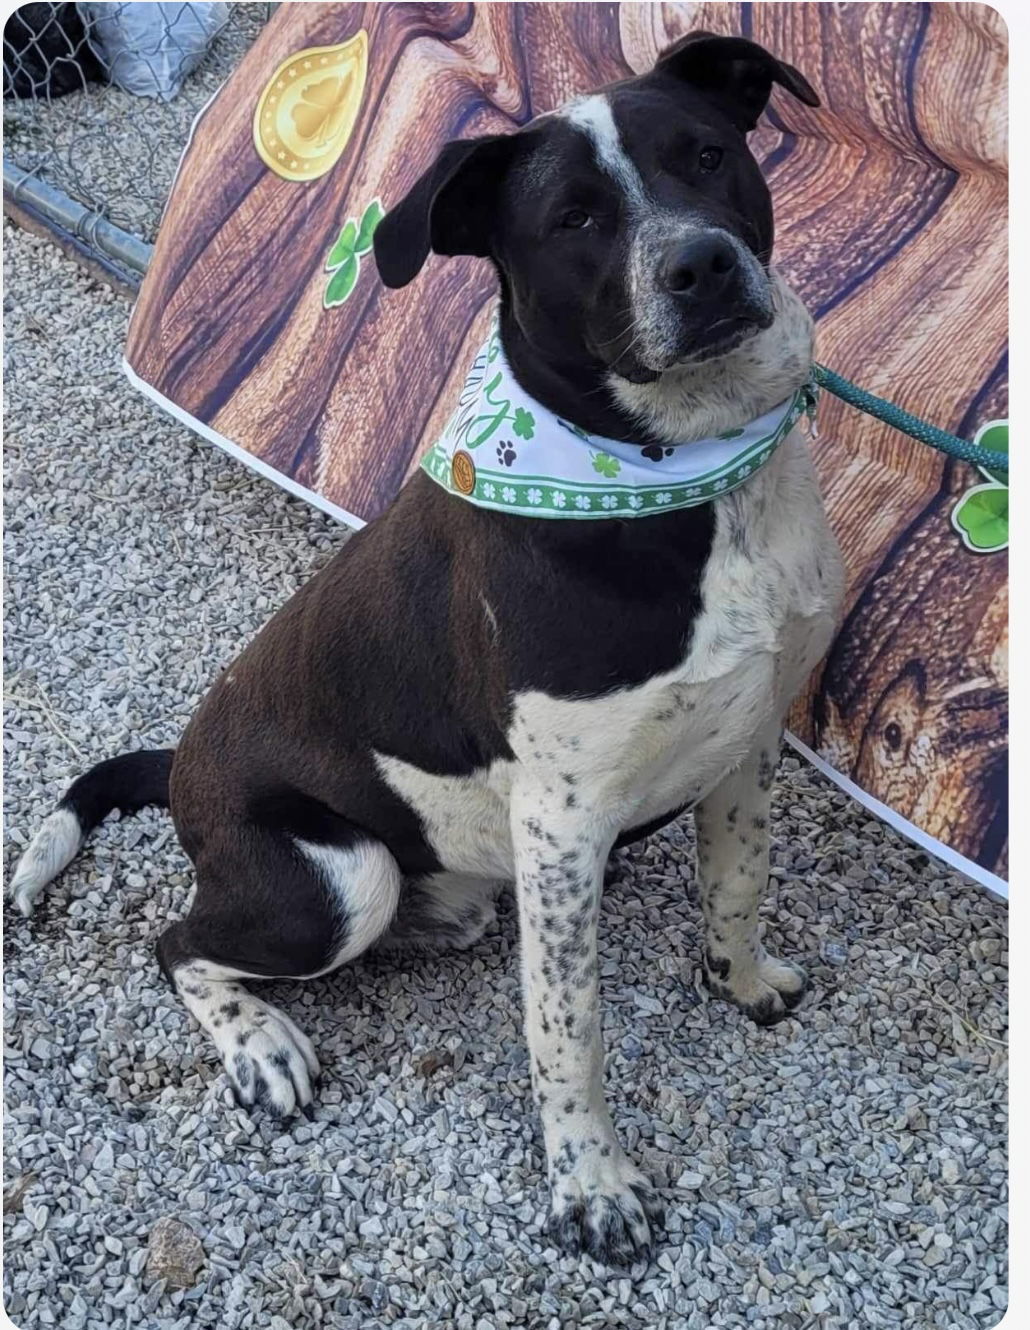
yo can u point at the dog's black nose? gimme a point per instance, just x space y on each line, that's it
699 269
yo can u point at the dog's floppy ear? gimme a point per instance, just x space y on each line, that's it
735 72
450 210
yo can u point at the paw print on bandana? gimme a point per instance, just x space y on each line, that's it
506 454
655 454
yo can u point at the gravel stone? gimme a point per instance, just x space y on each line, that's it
175 1253
799 1165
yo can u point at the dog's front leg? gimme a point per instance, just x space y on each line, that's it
600 1203
733 856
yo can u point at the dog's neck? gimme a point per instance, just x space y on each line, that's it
685 403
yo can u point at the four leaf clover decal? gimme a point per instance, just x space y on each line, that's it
322 109
981 516
344 261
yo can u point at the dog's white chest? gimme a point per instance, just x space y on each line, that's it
770 593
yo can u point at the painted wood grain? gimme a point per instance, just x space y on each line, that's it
891 203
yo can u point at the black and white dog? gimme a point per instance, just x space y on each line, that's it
463 697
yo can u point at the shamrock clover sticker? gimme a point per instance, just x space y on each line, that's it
344 261
981 516
995 435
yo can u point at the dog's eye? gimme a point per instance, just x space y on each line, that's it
709 159
575 219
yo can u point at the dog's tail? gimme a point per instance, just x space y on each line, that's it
129 783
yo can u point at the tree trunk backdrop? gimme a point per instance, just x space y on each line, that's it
263 321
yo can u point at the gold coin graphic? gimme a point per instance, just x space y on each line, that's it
463 473
305 116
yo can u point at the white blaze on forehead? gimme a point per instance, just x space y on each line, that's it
593 115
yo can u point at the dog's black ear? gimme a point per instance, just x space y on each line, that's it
450 210
735 72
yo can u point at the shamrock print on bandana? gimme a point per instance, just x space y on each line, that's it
505 451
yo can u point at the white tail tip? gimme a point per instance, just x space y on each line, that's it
52 849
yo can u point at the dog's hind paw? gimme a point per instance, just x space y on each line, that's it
271 1065
269 1061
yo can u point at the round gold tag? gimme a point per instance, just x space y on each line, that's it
305 115
463 473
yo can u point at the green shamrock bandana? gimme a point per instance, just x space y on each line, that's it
501 449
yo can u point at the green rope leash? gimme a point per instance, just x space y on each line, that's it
909 424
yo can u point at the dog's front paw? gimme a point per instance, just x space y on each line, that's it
602 1206
765 989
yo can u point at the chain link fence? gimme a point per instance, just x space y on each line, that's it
85 156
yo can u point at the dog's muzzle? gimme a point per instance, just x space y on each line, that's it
719 291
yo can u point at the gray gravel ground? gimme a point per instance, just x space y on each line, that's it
846 1168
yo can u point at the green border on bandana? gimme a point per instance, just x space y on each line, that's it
540 496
